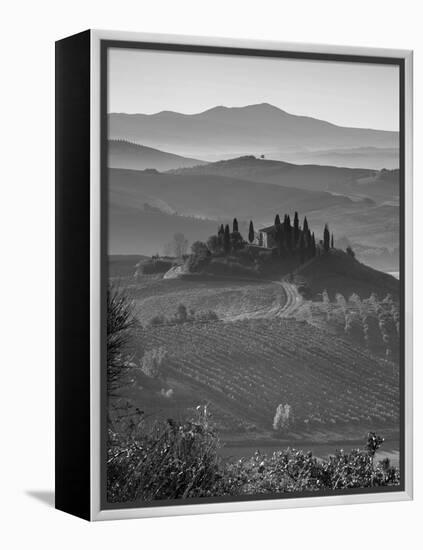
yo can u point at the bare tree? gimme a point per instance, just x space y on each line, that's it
178 246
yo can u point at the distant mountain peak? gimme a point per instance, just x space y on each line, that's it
257 107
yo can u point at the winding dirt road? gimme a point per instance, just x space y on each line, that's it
293 299
284 305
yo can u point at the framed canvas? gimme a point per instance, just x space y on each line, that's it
233 275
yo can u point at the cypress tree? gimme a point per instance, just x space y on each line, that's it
227 240
331 242
296 228
278 232
302 247
305 225
235 226
313 245
220 236
288 232
251 232
326 238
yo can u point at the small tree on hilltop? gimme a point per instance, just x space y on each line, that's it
235 226
251 232
326 238
331 242
350 252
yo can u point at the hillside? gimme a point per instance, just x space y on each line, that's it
140 229
123 154
381 186
215 196
353 157
192 202
339 272
257 129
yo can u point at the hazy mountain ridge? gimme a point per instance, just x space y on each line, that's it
261 128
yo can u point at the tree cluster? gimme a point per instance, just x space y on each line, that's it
287 238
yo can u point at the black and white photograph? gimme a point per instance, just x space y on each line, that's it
254 276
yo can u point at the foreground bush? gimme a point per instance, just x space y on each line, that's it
173 460
170 460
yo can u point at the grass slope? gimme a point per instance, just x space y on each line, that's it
229 299
339 272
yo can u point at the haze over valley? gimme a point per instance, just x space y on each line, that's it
172 189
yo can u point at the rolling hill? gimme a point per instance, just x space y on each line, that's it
123 154
382 186
337 272
258 129
352 157
194 201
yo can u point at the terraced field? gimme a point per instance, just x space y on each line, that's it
246 368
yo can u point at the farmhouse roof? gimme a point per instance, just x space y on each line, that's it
269 229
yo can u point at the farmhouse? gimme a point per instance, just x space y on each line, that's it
266 237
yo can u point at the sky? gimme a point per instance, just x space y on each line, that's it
348 94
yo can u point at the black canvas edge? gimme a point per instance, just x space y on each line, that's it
243 51
72 294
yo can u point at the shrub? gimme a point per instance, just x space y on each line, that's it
350 252
199 257
283 418
167 461
206 316
158 320
152 362
153 266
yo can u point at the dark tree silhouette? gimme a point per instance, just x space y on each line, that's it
302 247
331 242
278 232
251 232
221 236
235 226
305 225
313 245
326 238
287 229
227 240
350 252
296 228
